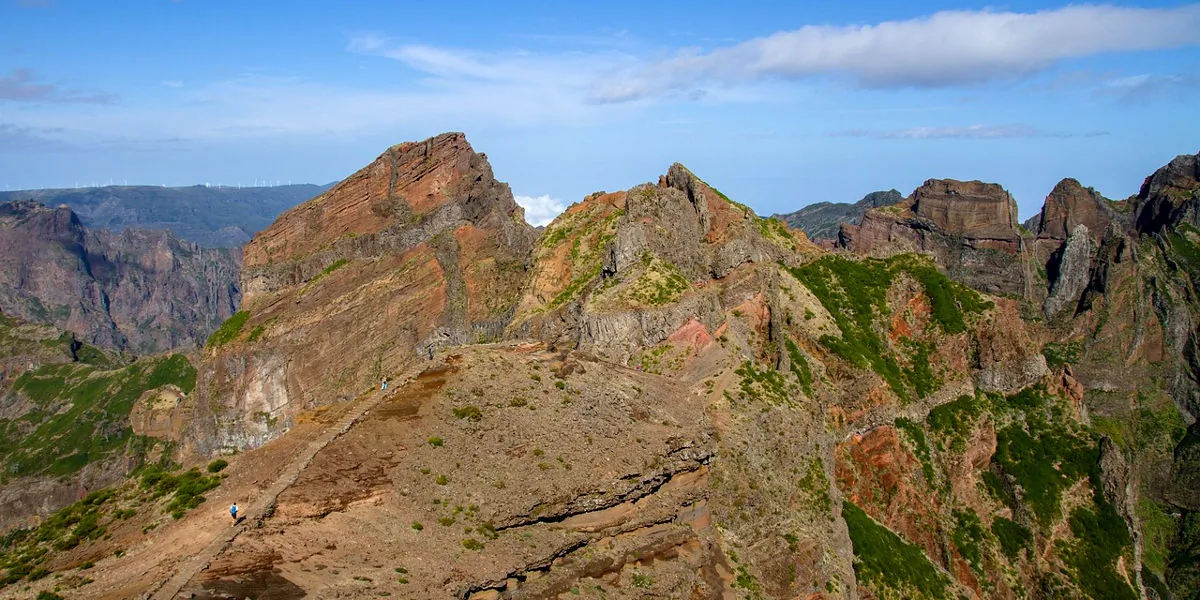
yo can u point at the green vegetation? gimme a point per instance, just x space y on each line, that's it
24 551
885 562
217 465
435 441
472 544
660 282
1013 537
186 489
968 535
1043 455
591 232
1061 353
469 412
915 435
1158 529
854 292
80 414
229 330
1100 539
815 487
643 581
335 265
953 422
767 384
417 526
800 368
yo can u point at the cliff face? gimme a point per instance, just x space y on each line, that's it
142 291
1070 205
422 248
969 228
1168 197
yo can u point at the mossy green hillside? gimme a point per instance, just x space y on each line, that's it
888 565
854 292
80 414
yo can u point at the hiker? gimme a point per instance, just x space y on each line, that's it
431 352
233 512
383 385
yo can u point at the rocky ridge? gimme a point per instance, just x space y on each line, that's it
821 221
142 291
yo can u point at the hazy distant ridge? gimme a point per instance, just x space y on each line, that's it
214 217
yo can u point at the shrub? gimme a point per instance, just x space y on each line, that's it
470 413
436 441
472 544
229 330
1013 536
217 466
417 526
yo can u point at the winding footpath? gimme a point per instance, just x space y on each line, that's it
264 507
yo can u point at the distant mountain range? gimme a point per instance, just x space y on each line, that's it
821 221
213 217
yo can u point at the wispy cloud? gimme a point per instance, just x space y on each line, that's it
17 139
22 85
540 210
949 48
1014 130
1148 87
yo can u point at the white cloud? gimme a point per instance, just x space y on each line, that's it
945 49
540 210
1014 130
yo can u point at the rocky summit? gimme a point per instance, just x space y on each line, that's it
660 395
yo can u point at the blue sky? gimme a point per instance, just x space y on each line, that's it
778 104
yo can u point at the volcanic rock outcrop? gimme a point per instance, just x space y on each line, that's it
1169 196
140 290
421 249
969 228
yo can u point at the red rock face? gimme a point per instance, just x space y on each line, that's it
412 178
970 209
879 474
421 249
1070 204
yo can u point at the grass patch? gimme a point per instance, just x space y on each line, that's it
800 367
1014 538
766 384
953 422
814 485
660 282
1100 539
229 330
80 415
1042 452
887 563
1158 531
